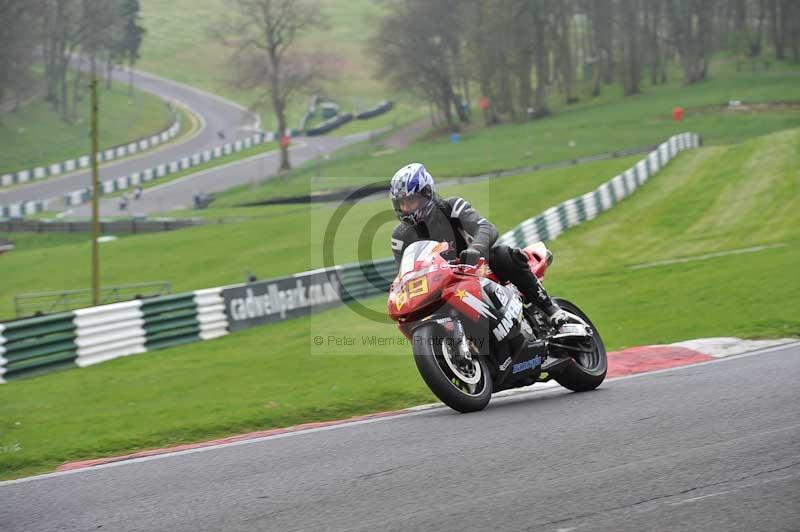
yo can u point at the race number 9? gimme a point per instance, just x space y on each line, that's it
418 287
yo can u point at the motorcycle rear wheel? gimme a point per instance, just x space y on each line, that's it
588 370
431 355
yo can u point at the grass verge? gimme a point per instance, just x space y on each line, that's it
35 135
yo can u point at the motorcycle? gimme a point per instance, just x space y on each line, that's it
472 335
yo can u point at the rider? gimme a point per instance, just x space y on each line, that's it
425 216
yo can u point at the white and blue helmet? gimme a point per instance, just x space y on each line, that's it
412 192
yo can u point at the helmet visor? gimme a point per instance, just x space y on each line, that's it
411 209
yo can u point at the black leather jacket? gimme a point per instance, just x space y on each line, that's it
453 221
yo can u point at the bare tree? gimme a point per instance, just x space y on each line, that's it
480 39
541 54
63 32
126 45
18 33
423 56
630 45
262 34
100 24
691 28
653 39
784 23
562 30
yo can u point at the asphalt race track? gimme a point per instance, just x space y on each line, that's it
712 447
217 115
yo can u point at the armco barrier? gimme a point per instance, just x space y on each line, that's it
119 184
211 313
109 331
3 360
37 345
365 279
131 225
98 334
555 220
170 320
109 154
329 124
372 112
80 196
24 208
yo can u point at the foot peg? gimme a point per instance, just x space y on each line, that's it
573 330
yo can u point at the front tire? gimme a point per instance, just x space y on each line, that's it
445 379
587 370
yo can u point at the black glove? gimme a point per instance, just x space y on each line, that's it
469 256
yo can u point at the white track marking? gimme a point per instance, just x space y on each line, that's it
727 346
705 257
693 499
414 411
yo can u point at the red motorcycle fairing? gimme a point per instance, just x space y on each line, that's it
419 283
426 278
465 296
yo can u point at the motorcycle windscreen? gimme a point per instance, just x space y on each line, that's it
419 251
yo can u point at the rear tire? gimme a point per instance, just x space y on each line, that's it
584 373
429 355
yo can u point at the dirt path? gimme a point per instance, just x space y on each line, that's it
406 135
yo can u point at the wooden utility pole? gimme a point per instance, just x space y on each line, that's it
95 196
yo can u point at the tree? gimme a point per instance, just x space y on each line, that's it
100 23
630 43
18 34
564 12
653 38
690 23
541 55
262 34
62 33
424 56
75 30
784 22
127 45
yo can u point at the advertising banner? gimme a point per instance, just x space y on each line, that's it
274 300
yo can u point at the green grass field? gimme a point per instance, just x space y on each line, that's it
35 135
608 123
270 242
717 198
177 33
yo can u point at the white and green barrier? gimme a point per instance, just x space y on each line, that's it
122 183
79 163
78 197
555 220
88 336
24 208
37 345
109 331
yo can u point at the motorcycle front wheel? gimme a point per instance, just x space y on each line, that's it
462 384
589 361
